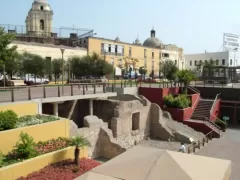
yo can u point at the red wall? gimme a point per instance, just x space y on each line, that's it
156 95
216 111
198 126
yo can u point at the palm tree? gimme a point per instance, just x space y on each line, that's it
78 142
185 77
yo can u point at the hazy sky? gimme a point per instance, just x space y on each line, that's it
195 25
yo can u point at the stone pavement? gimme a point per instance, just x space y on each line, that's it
173 146
227 147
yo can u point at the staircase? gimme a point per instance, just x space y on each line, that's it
202 110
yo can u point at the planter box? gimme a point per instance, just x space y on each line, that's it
40 132
180 114
24 168
186 113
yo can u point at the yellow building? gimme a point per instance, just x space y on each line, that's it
136 55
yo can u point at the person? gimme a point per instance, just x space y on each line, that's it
182 148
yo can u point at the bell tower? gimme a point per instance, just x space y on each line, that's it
39 19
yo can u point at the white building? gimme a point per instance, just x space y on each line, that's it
49 50
225 58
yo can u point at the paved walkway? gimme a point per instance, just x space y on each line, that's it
227 147
173 146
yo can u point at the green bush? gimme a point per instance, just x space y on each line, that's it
182 101
25 147
8 120
221 124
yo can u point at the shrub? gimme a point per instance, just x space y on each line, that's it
221 124
8 120
25 147
181 101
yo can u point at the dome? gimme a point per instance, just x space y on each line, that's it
41 1
153 41
137 41
117 39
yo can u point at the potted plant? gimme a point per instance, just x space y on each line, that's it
78 142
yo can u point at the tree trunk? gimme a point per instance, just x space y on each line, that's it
55 78
76 155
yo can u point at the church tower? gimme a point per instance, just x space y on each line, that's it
39 19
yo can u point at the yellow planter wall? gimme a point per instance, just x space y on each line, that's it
40 132
21 108
15 171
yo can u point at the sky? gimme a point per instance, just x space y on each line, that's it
195 25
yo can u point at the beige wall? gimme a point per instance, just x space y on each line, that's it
94 45
48 51
21 108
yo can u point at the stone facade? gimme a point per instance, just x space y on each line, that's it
125 121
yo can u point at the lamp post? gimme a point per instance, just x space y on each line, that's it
62 51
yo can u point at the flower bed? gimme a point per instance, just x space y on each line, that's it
33 120
9 120
65 170
27 149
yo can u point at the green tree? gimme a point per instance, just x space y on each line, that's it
185 77
90 65
78 142
33 64
48 67
207 67
169 69
6 52
57 68
13 65
142 71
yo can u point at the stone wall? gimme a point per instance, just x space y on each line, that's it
100 137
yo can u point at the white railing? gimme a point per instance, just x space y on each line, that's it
214 103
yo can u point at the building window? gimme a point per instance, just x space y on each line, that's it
145 53
165 55
41 24
217 62
102 47
152 55
175 62
130 52
195 62
116 49
230 61
109 48
190 63
41 8
223 61
160 55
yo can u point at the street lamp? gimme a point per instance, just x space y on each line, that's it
62 51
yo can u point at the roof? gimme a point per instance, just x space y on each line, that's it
144 163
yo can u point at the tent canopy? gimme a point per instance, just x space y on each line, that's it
144 163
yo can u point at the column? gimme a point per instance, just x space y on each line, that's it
90 107
55 109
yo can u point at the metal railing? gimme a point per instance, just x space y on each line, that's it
191 148
207 121
21 93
